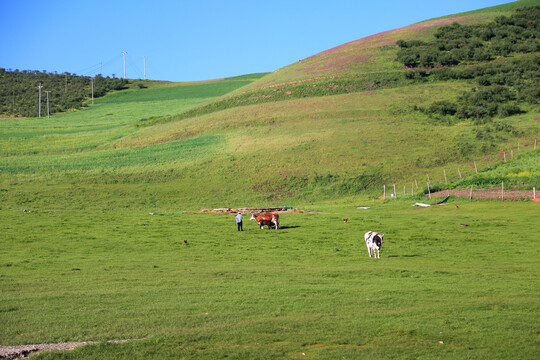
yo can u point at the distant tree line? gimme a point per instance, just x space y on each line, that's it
501 57
19 94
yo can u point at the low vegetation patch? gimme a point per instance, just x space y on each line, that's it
287 91
522 171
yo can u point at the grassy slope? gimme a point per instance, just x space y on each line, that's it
321 146
372 54
364 143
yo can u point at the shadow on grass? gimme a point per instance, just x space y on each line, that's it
289 227
405 256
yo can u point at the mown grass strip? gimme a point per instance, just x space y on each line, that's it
174 151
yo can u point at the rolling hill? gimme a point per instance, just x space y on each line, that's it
340 123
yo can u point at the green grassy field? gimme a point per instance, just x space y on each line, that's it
440 290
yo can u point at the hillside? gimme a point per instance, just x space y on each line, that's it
341 123
373 54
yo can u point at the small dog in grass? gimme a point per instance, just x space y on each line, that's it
374 242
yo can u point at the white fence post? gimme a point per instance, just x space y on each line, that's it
445 181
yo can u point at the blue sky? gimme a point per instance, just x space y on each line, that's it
194 40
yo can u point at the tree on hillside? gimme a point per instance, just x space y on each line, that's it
19 90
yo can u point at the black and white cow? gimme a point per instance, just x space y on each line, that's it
374 242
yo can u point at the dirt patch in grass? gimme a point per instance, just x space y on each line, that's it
24 351
487 194
253 211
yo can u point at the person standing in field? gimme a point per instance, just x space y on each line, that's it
239 221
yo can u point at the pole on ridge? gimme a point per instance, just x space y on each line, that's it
124 53
47 91
144 64
39 87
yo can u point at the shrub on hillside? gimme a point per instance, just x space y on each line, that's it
505 110
470 52
443 108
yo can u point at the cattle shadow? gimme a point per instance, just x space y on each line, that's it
405 256
289 227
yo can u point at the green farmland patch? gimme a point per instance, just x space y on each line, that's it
208 90
148 156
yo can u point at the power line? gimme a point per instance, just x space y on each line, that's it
133 65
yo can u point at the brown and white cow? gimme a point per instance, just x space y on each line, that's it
266 219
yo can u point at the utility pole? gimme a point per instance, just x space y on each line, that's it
124 53
101 68
47 91
39 87
144 62
92 90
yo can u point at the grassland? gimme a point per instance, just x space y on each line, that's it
309 288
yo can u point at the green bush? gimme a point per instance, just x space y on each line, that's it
505 110
443 108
